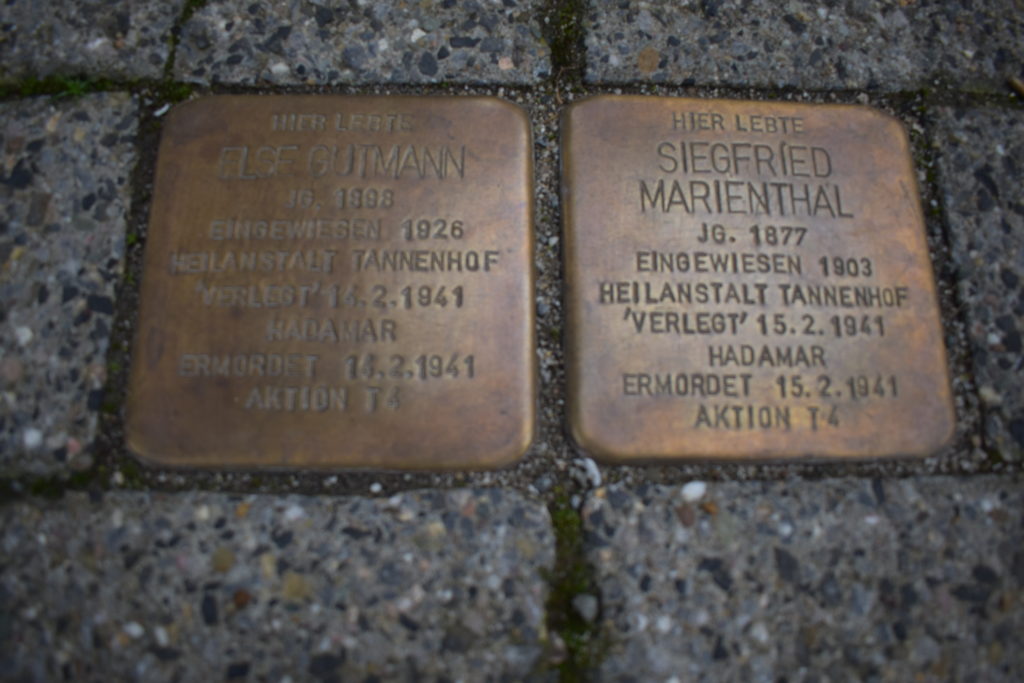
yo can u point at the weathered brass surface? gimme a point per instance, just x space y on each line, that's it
747 281
338 282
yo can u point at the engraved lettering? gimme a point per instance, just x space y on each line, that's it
281 229
318 398
397 161
331 330
735 417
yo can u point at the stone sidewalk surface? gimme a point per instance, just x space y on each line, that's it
902 580
320 42
857 44
918 578
850 578
981 155
64 188
205 587
119 39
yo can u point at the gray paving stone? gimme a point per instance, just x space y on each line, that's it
329 41
64 193
853 44
841 580
98 38
206 587
982 177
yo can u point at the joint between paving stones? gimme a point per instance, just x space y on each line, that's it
576 643
563 29
174 36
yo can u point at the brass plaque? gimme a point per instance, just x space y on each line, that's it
747 281
338 282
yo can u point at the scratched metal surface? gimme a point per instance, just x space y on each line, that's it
338 282
747 281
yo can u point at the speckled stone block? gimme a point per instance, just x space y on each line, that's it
97 38
798 43
840 580
982 176
64 193
327 41
206 587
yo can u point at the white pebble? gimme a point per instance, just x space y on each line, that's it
416 34
32 438
160 633
23 334
134 629
375 487
593 474
293 513
663 624
279 68
989 395
694 491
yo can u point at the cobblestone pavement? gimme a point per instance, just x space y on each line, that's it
557 568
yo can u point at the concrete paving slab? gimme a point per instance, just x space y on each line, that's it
64 189
915 579
205 587
323 42
982 177
890 46
95 38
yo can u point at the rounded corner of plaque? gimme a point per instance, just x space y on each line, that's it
581 104
518 450
944 434
138 448
511 107
874 114
506 459
189 107
590 444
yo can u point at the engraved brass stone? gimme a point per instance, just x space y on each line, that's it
338 282
747 281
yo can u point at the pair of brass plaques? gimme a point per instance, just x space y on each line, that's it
348 282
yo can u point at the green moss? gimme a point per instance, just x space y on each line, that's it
564 33
173 91
57 86
50 488
571 576
132 473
